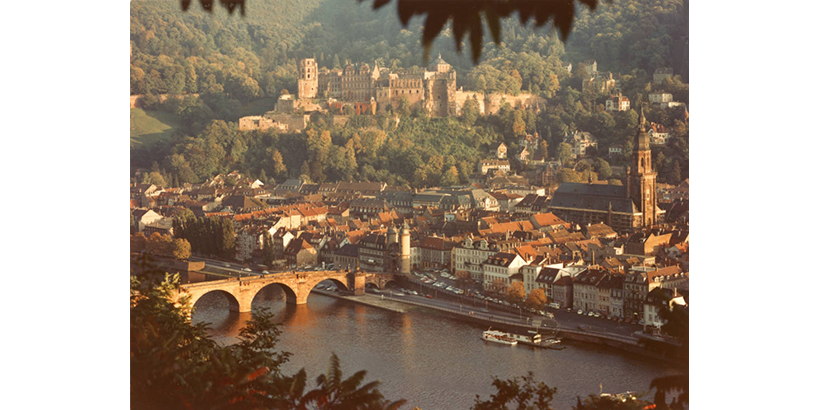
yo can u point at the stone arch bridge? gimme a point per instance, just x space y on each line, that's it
297 285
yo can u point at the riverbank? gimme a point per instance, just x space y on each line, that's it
614 341
386 304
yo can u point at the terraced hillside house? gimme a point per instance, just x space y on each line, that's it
580 143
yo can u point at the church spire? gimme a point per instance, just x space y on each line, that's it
641 137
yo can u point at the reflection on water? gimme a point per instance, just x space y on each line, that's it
434 362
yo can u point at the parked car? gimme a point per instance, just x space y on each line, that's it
264 271
580 312
246 270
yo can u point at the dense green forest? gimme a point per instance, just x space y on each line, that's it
232 62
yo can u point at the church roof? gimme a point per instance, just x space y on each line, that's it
593 197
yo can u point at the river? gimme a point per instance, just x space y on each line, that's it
435 362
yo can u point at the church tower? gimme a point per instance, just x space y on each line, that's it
642 180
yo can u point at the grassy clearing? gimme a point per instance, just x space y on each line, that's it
148 127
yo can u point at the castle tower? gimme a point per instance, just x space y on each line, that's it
405 249
440 66
308 78
642 180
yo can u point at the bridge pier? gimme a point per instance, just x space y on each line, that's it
356 281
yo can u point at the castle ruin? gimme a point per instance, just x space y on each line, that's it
434 90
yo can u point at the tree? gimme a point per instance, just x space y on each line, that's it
520 392
569 175
553 86
176 365
536 299
519 127
280 171
450 177
181 249
470 111
159 244
543 150
675 173
268 253
497 285
138 242
564 152
157 179
403 109
515 292
462 278
602 168
227 238
333 392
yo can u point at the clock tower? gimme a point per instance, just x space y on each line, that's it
641 184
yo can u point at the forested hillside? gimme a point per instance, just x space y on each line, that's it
254 56
234 62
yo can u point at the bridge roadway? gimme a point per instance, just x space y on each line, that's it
297 285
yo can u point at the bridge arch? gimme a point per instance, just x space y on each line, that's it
233 301
338 283
380 281
290 294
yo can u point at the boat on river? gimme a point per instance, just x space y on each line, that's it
498 337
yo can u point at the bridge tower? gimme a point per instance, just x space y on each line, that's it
405 249
392 235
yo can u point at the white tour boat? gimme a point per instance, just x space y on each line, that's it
498 337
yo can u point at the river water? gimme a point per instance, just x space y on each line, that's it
435 362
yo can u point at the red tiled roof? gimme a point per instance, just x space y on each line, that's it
548 219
